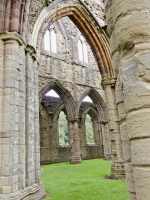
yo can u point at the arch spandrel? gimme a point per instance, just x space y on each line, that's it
86 23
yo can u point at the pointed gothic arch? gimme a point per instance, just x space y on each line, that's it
97 101
86 23
64 94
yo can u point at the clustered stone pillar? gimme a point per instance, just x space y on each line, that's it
130 26
32 120
19 137
117 169
12 141
74 141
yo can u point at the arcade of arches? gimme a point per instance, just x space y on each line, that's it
78 48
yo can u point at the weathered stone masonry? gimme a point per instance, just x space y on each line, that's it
20 134
126 87
78 78
128 26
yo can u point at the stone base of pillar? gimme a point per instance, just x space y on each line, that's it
118 170
107 157
133 196
34 192
76 160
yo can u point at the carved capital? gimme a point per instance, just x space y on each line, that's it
109 81
7 36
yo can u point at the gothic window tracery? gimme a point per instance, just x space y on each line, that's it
82 49
50 42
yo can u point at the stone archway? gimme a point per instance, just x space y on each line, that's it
86 23
101 118
69 104
88 150
64 94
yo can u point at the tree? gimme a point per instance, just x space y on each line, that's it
63 129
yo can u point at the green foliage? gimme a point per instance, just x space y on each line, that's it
85 181
63 129
89 130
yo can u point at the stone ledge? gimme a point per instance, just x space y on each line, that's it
34 192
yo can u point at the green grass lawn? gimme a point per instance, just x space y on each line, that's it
85 181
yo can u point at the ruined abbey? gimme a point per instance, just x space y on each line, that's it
80 49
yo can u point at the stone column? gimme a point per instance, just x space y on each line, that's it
2 138
82 136
55 139
83 133
131 25
12 108
117 169
32 141
36 123
97 132
106 140
74 141
13 105
30 131
126 143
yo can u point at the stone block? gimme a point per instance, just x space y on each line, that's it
4 181
140 149
123 132
126 148
142 182
135 126
6 189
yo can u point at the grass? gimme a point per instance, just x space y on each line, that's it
85 181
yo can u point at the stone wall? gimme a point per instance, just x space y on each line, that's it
65 66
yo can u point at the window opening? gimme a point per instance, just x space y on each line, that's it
63 129
50 43
47 41
89 130
82 49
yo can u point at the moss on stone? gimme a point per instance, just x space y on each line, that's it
125 46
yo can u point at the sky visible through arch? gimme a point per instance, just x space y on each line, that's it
52 93
87 99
